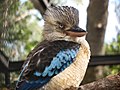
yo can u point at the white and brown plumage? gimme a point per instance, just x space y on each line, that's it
61 60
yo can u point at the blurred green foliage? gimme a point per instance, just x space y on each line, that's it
19 29
113 49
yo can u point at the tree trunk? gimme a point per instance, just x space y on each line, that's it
97 14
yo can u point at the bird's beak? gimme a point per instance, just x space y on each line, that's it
76 32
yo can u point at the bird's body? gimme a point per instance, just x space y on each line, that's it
61 60
74 74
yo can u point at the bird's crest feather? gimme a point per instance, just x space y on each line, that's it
64 14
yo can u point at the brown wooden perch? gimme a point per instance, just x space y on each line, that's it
108 83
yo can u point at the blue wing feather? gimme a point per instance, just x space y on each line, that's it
66 56
59 63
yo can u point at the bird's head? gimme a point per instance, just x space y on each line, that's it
61 23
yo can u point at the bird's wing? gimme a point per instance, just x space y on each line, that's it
45 61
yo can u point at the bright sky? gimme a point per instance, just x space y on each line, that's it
111 31
112 20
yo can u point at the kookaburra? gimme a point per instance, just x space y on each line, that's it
61 59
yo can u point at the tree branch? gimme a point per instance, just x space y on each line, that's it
108 83
39 5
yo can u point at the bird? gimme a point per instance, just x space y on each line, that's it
61 59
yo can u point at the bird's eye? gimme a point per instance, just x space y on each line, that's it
61 26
